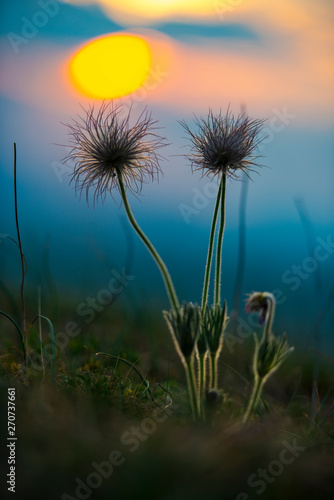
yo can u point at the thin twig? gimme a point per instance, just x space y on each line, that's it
24 326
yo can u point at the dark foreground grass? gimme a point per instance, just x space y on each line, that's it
95 432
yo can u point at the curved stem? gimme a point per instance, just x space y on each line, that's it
254 399
19 331
133 366
210 251
220 241
158 260
23 272
269 317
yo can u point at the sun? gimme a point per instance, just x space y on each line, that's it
110 67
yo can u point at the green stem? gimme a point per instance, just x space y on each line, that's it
213 370
189 365
269 317
201 377
254 399
220 241
159 262
210 251
20 333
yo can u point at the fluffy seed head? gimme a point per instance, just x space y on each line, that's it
104 145
224 144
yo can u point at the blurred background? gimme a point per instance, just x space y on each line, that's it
271 58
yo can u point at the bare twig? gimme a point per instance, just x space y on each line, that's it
23 262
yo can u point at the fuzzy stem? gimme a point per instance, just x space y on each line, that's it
213 370
210 251
159 262
269 317
254 399
191 381
220 241
201 377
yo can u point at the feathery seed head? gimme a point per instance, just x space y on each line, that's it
224 144
104 146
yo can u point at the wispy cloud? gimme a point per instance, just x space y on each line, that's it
288 62
286 13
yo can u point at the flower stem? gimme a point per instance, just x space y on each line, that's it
254 399
201 377
189 365
158 260
210 251
220 241
269 317
213 370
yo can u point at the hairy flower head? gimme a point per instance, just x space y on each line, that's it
214 322
259 302
271 351
104 145
270 355
224 144
184 325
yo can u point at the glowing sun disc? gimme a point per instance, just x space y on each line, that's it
111 67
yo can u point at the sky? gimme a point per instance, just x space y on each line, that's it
273 59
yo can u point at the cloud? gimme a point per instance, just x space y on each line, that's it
149 12
210 74
285 13
290 66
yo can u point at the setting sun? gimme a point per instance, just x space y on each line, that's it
111 67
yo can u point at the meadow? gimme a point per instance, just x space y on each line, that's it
96 406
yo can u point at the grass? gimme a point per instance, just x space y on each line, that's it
97 405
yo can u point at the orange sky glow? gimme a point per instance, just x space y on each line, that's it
292 66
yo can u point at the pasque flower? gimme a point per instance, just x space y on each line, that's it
259 302
108 153
214 323
105 145
270 352
223 146
184 325
224 143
